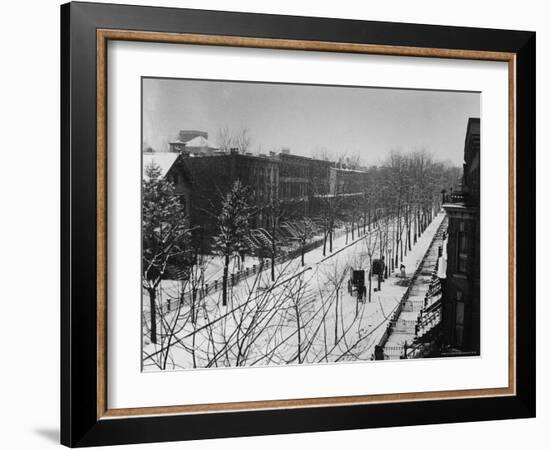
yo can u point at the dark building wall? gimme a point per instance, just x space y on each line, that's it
319 174
261 176
207 179
294 181
461 299
319 184
471 178
461 307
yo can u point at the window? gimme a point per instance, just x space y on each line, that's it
462 250
459 319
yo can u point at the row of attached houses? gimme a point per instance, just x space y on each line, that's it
293 182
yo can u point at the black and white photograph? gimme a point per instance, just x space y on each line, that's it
303 224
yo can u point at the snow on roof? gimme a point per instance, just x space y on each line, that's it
199 141
164 160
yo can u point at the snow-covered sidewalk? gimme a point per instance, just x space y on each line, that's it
404 331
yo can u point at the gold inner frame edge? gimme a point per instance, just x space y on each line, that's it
103 36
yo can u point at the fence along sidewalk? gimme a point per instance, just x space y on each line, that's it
399 324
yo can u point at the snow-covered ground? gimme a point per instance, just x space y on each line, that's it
404 331
305 316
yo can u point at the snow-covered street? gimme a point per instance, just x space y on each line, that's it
306 315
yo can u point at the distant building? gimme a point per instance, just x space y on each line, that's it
193 142
294 183
301 181
347 181
319 174
460 301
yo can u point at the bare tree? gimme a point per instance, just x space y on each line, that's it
274 217
336 275
323 153
371 243
226 140
243 140
353 161
305 233
229 139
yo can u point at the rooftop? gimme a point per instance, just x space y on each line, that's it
164 160
199 141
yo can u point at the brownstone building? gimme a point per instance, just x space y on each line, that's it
283 187
202 181
300 180
461 311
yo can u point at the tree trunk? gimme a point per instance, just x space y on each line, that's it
273 253
152 305
396 248
224 281
370 281
409 235
299 326
415 229
369 218
336 320
193 301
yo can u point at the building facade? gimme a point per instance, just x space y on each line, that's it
204 180
283 188
192 142
461 295
344 181
294 179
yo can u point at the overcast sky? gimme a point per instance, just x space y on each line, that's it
368 121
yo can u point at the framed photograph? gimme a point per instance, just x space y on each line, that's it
276 224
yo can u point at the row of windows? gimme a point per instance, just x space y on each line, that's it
291 170
291 190
462 252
